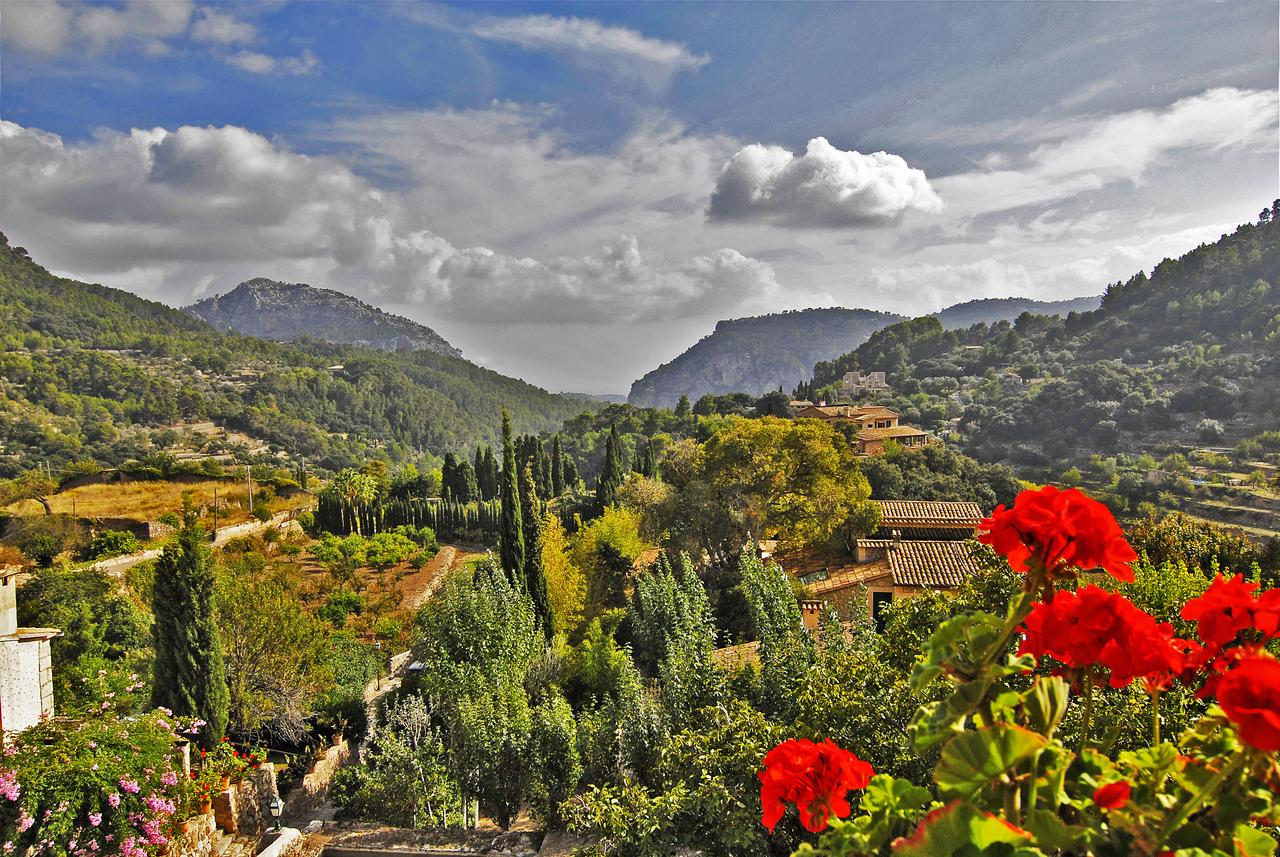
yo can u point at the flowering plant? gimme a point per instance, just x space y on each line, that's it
1005 781
104 785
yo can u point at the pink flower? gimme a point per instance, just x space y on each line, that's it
24 822
95 818
114 800
169 778
129 785
9 785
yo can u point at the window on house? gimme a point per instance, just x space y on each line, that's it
879 601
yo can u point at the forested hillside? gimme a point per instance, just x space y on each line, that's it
1185 357
991 310
88 371
755 355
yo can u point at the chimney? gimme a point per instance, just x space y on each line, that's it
9 600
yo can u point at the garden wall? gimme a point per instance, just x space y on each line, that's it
308 797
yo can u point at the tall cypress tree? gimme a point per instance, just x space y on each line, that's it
511 531
477 464
449 477
189 676
557 468
612 474
534 576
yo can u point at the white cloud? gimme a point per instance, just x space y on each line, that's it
35 25
257 63
215 27
227 202
50 27
823 188
619 50
1090 154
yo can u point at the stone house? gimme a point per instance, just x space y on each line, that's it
863 382
874 425
921 545
26 668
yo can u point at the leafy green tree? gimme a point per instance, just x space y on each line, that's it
275 654
190 674
356 491
556 762
682 407
511 533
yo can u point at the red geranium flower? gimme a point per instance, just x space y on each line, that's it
1060 529
1250 696
1093 626
1228 606
1112 795
815 777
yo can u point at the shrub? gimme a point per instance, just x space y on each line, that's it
112 543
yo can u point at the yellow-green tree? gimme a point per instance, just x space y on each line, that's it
605 550
794 480
566 584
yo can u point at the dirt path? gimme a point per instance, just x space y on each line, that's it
117 565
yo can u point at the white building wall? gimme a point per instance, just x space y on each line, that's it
26 689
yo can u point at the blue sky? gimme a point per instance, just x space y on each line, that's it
574 193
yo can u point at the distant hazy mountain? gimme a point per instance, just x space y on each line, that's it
991 310
755 355
286 311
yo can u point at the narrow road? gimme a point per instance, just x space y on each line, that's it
117 565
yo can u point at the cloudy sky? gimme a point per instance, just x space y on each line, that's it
574 193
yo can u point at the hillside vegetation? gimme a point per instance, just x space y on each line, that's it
1186 358
91 372
755 355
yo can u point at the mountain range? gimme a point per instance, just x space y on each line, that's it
270 309
89 372
762 353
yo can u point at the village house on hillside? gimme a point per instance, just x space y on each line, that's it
920 545
874 426
26 668
857 382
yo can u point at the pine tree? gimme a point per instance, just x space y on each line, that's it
570 472
534 576
557 468
189 677
511 531
477 464
682 407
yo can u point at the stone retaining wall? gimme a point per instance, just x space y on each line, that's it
308 796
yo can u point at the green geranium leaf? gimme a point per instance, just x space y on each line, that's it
1251 842
960 829
973 760
1047 703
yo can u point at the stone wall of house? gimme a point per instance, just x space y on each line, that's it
309 795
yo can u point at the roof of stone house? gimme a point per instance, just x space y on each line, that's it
890 432
850 574
944 564
929 513
851 411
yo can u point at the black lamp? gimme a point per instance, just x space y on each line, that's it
277 807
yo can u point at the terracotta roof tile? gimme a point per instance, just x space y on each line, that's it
929 513
892 431
944 564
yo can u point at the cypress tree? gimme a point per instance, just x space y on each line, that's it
682 407
511 532
535 578
449 477
570 472
612 473
557 468
477 464
189 676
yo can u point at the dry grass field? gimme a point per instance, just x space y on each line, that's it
148 500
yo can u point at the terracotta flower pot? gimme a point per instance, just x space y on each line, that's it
206 804
226 782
